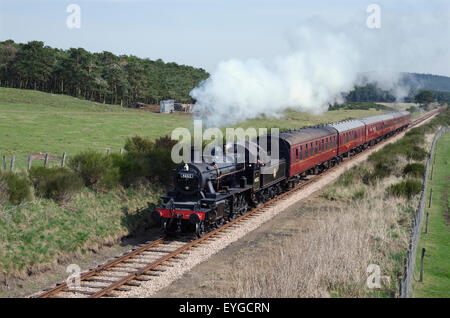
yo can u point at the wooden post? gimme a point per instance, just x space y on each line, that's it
426 223
400 286
431 195
63 161
4 162
107 151
30 159
46 160
431 175
13 160
421 265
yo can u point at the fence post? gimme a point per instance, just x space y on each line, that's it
421 265
30 159
63 161
431 195
4 162
107 151
13 160
426 223
46 160
400 287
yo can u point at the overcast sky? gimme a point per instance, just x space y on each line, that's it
204 32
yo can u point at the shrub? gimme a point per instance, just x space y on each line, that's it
3 193
148 160
408 188
59 184
414 170
18 187
359 194
96 169
417 153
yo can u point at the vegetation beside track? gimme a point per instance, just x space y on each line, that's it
355 222
436 276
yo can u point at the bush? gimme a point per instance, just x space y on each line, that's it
148 160
96 169
417 153
18 187
59 184
414 170
380 171
359 194
3 193
408 188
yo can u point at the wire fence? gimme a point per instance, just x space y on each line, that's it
14 162
409 261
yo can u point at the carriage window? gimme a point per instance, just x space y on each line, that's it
326 144
317 148
301 152
322 149
311 150
306 151
296 154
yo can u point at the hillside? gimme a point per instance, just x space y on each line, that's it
426 81
33 122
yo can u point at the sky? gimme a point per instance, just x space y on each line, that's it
203 33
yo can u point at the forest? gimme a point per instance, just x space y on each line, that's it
124 80
102 77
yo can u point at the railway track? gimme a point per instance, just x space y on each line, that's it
144 262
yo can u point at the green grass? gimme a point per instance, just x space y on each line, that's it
35 235
32 121
436 278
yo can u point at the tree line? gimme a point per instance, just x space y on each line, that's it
102 77
372 93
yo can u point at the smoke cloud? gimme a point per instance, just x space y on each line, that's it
324 62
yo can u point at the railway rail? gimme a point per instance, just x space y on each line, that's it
144 262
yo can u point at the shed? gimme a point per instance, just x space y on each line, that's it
167 106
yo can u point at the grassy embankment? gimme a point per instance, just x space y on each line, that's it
37 234
436 277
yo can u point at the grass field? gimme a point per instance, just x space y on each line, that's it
436 277
32 122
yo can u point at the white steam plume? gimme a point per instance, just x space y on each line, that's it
324 63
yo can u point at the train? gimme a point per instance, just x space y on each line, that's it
207 194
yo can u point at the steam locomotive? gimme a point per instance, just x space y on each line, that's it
212 192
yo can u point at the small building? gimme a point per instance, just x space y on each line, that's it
167 106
